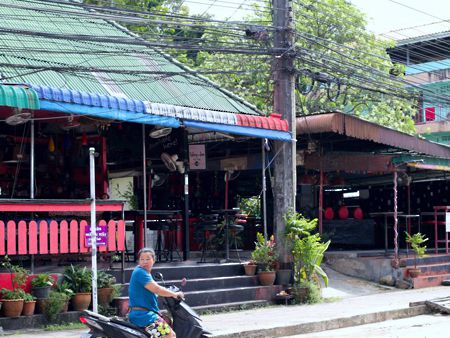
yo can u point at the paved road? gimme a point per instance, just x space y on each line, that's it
426 326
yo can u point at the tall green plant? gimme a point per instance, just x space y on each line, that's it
308 254
79 279
416 242
307 249
297 225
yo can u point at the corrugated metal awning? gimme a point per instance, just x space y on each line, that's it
17 96
104 106
352 126
239 130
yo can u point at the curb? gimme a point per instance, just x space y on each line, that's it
330 324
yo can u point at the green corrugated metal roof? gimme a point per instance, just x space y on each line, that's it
37 51
18 97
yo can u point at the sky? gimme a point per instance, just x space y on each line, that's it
383 16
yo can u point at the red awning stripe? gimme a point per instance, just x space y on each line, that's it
271 122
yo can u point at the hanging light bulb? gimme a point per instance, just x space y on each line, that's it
51 145
84 140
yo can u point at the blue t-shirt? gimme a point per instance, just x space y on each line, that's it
141 297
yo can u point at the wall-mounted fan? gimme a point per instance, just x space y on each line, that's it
18 117
159 132
171 163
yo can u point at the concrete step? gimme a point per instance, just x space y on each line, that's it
434 269
177 271
429 280
208 283
218 296
431 259
225 307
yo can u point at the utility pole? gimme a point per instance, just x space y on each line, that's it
285 185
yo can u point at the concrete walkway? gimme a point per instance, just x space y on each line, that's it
353 302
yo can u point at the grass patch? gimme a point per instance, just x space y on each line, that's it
66 326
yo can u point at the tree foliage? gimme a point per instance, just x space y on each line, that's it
331 41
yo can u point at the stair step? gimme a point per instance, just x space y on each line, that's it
193 271
433 269
224 307
217 296
208 283
431 259
429 280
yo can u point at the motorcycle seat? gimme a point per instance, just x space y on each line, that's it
120 321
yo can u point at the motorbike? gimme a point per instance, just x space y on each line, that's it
185 321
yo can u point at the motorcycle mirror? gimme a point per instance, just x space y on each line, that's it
159 276
183 281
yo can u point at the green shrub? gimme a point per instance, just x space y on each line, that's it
42 280
54 304
79 279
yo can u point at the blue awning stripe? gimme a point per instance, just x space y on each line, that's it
239 130
88 99
113 114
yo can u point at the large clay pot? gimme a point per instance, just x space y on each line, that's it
12 307
104 296
266 277
28 308
81 301
250 269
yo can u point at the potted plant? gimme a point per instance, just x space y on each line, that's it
54 304
250 268
63 287
265 256
12 300
416 242
79 279
29 304
41 285
307 252
105 283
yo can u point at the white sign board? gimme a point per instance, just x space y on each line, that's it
197 157
447 221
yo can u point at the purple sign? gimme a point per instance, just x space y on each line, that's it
102 235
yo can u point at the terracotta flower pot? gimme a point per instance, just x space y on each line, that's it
413 272
81 301
104 296
266 277
28 308
12 307
250 269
